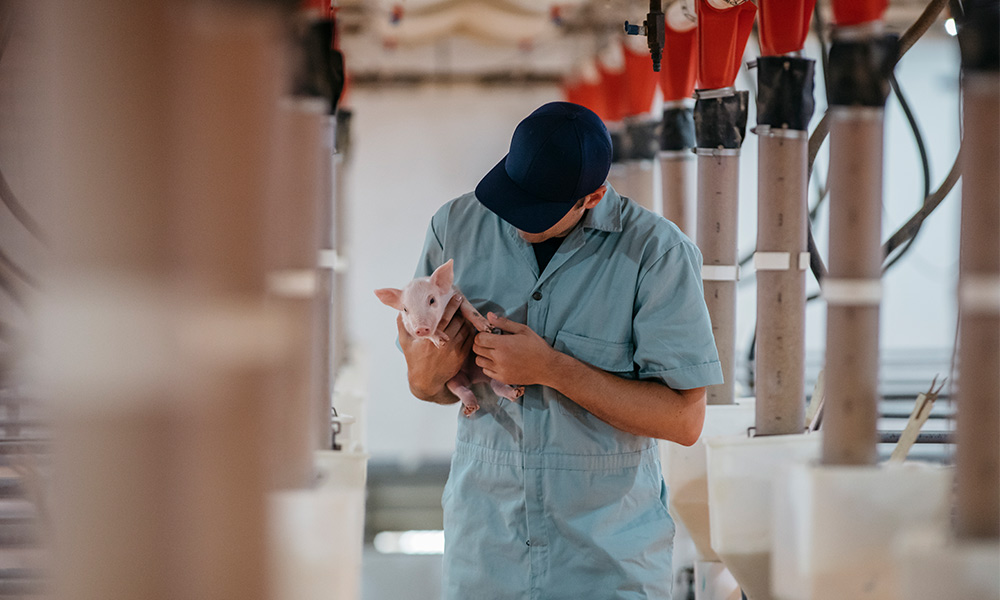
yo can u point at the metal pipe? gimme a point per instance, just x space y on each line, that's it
292 229
720 118
781 260
105 174
677 166
677 175
638 162
784 106
977 457
230 77
341 241
327 337
857 86
853 287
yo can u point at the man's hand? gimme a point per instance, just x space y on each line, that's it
520 358
428 367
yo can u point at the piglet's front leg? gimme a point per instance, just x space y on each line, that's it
473 316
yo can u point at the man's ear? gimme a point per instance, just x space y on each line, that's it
390 297
444 275
592 199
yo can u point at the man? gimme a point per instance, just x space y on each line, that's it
561 495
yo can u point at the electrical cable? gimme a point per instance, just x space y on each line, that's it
8 30
18 270
924 162
19 212
908 230
912 227
915 128
920 26
6 194
7 286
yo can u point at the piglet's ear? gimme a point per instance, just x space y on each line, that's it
390 297
444 275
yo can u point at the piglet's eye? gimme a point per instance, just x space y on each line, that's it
432 302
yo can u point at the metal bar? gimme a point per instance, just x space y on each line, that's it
977 458
677 174
718 194
855 254
781 292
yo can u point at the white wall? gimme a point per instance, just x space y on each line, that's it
417 148
414 149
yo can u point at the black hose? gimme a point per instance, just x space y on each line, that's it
915 128
908 230
19 212
6 261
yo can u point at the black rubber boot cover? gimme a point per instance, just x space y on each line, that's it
677 132
620 147
785 92
644 136
977 35
721 122
858 71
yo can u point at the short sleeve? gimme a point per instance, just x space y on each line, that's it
671 327
432 256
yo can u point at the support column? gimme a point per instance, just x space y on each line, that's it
677 166
105 170
328 338
643 145
231 74
784 107
293 287
977 458
857 86
720 124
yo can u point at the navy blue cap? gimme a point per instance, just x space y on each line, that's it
559 154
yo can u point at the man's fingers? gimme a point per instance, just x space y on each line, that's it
484 362
486 341
468 339
505 324
451 308
454 326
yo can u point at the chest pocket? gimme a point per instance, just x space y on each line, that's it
615 357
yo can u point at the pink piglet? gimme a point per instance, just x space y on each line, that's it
422 303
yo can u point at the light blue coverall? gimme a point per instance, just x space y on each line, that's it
544 500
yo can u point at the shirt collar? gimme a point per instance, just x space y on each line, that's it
607 215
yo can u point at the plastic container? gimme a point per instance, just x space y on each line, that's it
350 395
741 477
686 471
835 527
317 534
933 566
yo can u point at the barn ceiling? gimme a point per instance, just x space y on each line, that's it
499 41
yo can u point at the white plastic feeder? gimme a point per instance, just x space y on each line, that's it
933 566
686 470
835 527
741 476
317 534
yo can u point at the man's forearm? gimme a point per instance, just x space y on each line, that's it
645 408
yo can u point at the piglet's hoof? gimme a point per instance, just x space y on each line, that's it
481 324
518 390
468 411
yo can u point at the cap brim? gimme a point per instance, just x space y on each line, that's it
497 192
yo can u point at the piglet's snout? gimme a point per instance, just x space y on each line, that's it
422 331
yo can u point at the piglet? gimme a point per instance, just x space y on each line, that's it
422 303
